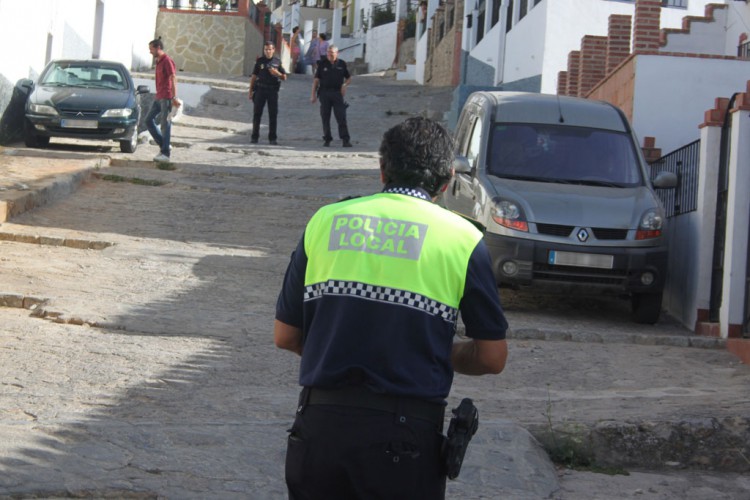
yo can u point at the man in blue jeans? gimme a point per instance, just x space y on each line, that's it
166 92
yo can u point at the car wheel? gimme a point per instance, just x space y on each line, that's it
31 139
130 145
646 307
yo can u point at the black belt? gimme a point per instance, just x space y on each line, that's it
267 86
360 397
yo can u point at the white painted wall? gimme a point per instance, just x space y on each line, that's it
732 307
525 44
703 37
738 22
128 26
384 39
671 95
568 21
420 56
541 41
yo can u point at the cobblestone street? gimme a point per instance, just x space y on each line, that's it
136 352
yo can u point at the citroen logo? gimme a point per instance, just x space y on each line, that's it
80 113
583 235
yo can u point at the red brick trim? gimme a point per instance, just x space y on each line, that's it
740 348
715 117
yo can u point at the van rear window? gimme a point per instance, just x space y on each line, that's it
558 153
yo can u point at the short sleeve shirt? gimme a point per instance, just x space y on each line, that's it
260 70
165 68
332 75
387 345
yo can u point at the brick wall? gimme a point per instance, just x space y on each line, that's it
618 40
593 62
646 25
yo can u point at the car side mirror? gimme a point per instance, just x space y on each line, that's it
142 89
26 83
461 165
665 180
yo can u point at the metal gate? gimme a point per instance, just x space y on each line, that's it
720 227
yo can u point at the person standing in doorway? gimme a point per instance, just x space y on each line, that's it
166 95
329 84
322 47
265 82
312 55
296 43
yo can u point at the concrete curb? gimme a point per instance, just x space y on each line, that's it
619 338
718 444
56 179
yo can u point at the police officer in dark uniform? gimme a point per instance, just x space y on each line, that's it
264 88
370 301
329 85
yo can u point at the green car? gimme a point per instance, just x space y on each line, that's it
83 99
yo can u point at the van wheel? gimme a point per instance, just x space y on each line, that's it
646 307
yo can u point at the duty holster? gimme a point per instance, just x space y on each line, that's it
462 427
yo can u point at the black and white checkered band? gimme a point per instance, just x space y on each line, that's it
381 294
415 192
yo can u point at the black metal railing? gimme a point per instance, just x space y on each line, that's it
383 14
684 163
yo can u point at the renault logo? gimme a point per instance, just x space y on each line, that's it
583 235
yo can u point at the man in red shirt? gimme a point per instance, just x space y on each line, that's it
166 92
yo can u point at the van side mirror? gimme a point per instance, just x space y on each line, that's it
665 180
142 89
461 165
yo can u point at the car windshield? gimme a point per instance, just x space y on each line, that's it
84 75
563 154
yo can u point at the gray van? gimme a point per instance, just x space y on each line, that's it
562 192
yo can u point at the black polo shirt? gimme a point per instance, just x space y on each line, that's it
266 79
332 75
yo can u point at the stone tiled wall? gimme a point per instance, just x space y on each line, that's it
204 42
444 49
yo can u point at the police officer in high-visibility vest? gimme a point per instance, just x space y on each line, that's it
370 302
264 88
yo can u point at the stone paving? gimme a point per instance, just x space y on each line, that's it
136 358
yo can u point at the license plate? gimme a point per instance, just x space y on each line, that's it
79 124
596 260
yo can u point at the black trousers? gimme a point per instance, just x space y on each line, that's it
261 96
333 100
342 452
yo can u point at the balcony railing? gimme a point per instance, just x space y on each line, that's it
743 50
198 6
